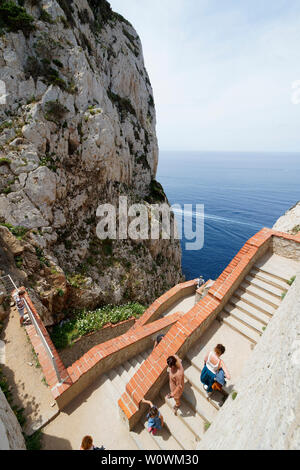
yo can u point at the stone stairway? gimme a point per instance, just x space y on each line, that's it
253 304
115 383
239 327
179 433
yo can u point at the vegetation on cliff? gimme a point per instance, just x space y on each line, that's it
85 322
14 18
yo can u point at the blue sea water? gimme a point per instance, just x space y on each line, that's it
242 192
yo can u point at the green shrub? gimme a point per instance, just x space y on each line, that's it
76 280
107 246
40 254
14 18
46 47
84 16
123 105
48 161
44 16
129 36
207 426
296 230
41 68
4 161
57 63
68 10
291 281
104 14
19 232
142 160
52 77
55 111
5 125
85 322
19 261
64 21
151 101
157 193
40 65
34 442
68 244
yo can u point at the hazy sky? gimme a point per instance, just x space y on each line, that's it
222 71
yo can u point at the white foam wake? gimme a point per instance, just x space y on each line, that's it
199 215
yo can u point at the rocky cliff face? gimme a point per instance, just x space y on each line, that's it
290 221
78 130
11 437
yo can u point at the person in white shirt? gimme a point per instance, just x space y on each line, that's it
213 363
20 305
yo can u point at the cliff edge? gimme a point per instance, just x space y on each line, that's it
290 221
11 437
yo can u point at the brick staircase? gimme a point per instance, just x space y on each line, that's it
115 383
235 311
239 327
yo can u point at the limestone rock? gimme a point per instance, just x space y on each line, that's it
11 437
3 313
41 190
12 242
81 132
290 221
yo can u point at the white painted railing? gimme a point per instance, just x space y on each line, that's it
9 286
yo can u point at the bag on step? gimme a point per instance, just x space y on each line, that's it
220 377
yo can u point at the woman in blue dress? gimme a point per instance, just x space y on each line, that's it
213 364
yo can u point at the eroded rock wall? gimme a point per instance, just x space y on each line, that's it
78 130
290 221
11 437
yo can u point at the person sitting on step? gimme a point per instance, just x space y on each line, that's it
213 364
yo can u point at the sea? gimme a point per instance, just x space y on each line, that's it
241 192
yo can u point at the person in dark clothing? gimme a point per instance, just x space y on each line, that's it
158 340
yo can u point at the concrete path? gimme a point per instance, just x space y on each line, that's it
94 414
239 327
183 305
24 377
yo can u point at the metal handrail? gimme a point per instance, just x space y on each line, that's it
3 279
46 345
34 322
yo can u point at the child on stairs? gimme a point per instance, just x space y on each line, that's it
155 419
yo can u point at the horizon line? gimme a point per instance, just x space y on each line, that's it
233 151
